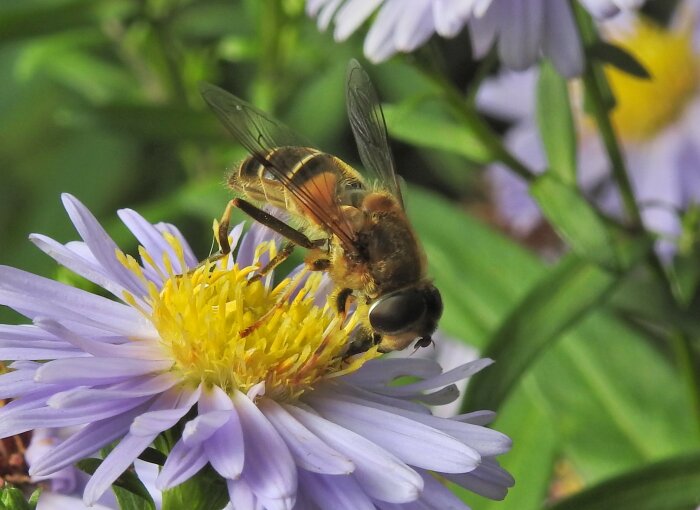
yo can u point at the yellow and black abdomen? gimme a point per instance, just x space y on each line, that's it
292 178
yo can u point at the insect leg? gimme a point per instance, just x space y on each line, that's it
341 301
275 224
285 252
361 340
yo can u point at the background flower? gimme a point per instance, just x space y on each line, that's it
522 29
661 139
281 416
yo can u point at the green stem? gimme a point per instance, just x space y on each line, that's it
473 121
612 145
594 81
690 372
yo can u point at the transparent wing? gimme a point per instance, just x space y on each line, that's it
261 135
369 127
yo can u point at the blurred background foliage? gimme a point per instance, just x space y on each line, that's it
596 367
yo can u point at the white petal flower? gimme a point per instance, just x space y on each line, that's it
523 29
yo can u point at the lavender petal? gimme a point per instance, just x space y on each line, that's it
561 40
269 467
414 443
82 396
183 463
436 495
36 296
68 258
382 371
133 349
118 461
351 15
309 452
92 371
101 245
381 475
240 492
84 443
166 411
337 492
224 447
488 480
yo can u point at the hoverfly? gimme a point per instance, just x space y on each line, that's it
355 229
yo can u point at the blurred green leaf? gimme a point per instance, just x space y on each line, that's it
556 123
618 57
575 220
128 488
601 383
11 498
684 271
162 122
530 462
673 484
407 124
570 291
479 272
32 19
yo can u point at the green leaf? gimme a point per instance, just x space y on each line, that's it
575 220
684 272
530 462
479 272
162 122
204 491
32 19
618 57
153 456
556 123
435 132
673 484
11 498
34 499
128 488
565 294
604 369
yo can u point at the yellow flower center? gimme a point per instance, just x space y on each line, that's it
222 329
644 107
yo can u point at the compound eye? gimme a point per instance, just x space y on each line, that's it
397 312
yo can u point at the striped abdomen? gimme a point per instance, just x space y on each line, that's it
322 179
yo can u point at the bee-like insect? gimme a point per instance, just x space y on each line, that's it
356 229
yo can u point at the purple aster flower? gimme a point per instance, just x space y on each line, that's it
660 138
282 414
522 29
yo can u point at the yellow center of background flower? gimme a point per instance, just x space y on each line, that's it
223 330
644 107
